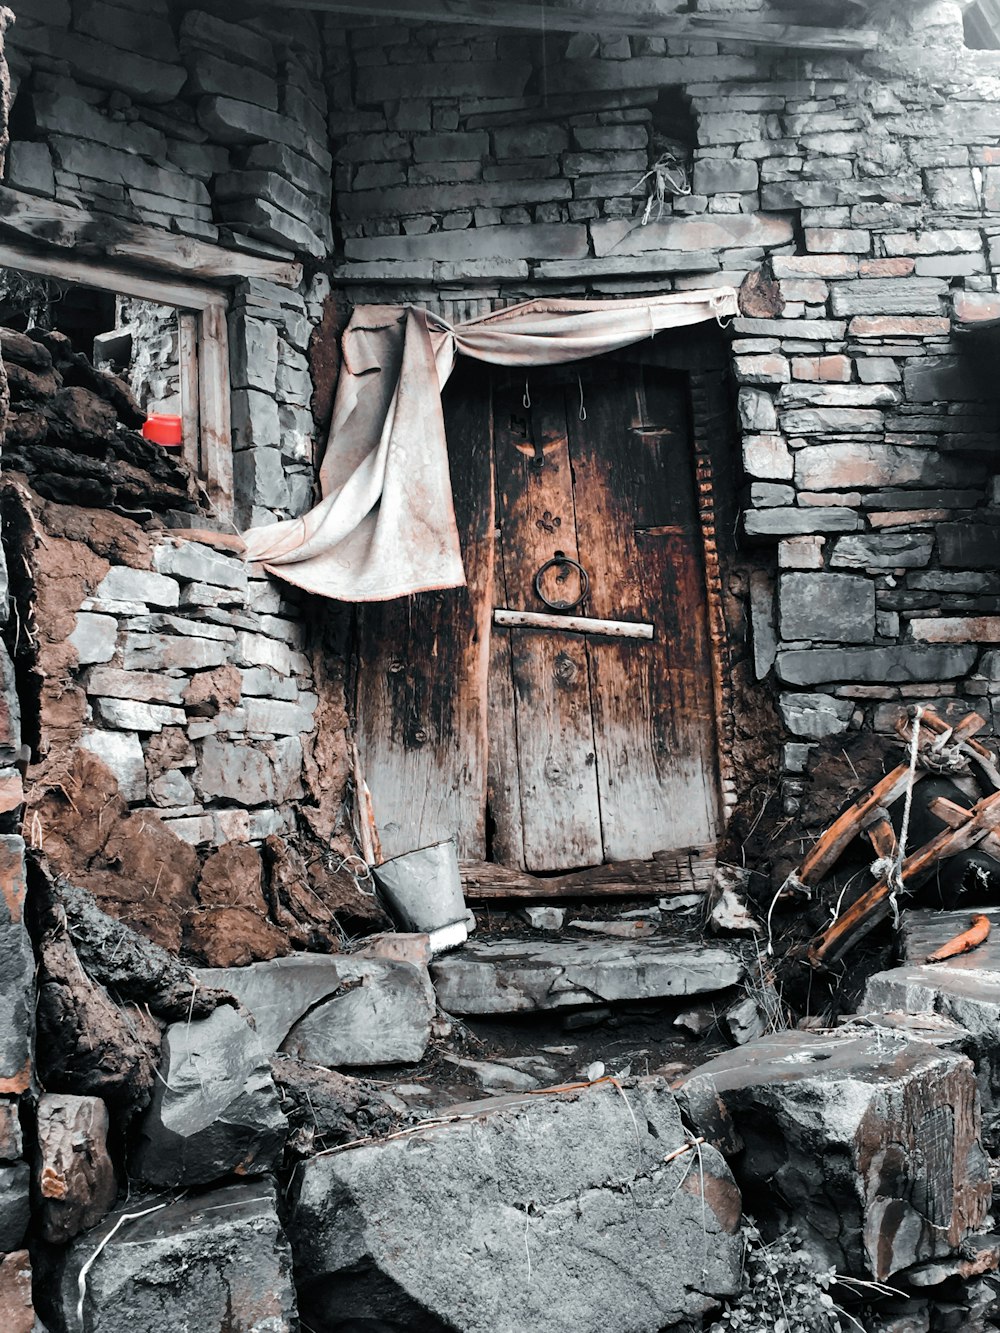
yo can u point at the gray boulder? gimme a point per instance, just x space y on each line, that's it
15 1204
215 1108
339 1010
554 1213
868 1141
213 1261
511 976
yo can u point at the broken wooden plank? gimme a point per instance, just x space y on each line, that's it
187 354
608 19
615 629
56 227
873 906
954 815
214 409
109 277
824 855
690 870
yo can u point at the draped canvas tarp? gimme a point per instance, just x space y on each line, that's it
385 526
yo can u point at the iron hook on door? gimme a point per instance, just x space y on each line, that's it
560 561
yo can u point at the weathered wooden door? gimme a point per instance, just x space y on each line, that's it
544 750
601 748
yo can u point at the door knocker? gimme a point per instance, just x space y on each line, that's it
560 561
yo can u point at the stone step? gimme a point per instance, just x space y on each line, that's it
516 975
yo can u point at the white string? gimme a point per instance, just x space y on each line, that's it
583 410
526 400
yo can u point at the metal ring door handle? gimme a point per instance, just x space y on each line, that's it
558 561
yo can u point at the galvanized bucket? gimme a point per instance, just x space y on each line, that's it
423 889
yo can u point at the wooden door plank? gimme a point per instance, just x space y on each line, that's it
505 837
653 719
423 662
560 812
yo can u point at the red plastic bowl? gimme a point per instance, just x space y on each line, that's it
160 428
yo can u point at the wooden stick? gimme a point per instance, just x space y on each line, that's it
873 906
954 815
882 836
616 629
828 848
978 933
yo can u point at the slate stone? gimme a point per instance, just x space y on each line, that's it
815 716
969 545
215 1109
442 1228
832 608
335 1010
903 663
75 1176
795 522
217 1260
518 976
10 709
883 550
843 466
949 379
17 972
15 1192
191 561
870 1141
123 584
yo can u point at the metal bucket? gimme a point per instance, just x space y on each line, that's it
423 889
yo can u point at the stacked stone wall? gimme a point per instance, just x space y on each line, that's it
205 128
868 186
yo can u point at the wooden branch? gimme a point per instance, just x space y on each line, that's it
691 870
606 18
58 227
847 826
873 906
615 629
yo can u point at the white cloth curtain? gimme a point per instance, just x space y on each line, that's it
385 526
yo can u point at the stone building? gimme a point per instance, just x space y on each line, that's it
775 520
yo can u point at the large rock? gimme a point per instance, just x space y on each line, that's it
511 976
17 972
215 1108
215 1261
76 1179
553 1213
340 1010
870 1142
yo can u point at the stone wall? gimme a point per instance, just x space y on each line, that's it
868 186
208 129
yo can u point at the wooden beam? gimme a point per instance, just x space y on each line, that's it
110 277
615 629
214 409
187 352
25 218
607 18
690 870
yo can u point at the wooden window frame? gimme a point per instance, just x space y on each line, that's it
203 347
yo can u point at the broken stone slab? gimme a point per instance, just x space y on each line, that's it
17 1310
335 1010
122 752
493 1077
76 1178
519 1188
543 917
869 1140
215 1109
517 976
216 1260
622 930
17 973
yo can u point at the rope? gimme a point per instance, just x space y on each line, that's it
895 874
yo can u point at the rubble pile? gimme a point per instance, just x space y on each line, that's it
72 431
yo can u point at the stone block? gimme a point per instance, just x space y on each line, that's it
793 522
122 752
801 553
573 1164
889 550
338 1010
10 709
766 369
75 1176
208 73
523 976
831 608
939 241
757 410
259 476
253 353
145 686
768 457
268 222
278 717
825 467
947 379
29 168
164 652
815 716
888 296
837 241
94 637
533 240
838 395
620 236
955 629
901 664
137 585
17 971
447 79
870 1140
127 29
139 76
17 1310
131 715
215 1110
15 1191
209 1261
798 330
725 176
249 775
969 545
191 561
899 326
808 421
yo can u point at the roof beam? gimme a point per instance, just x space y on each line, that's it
603 16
